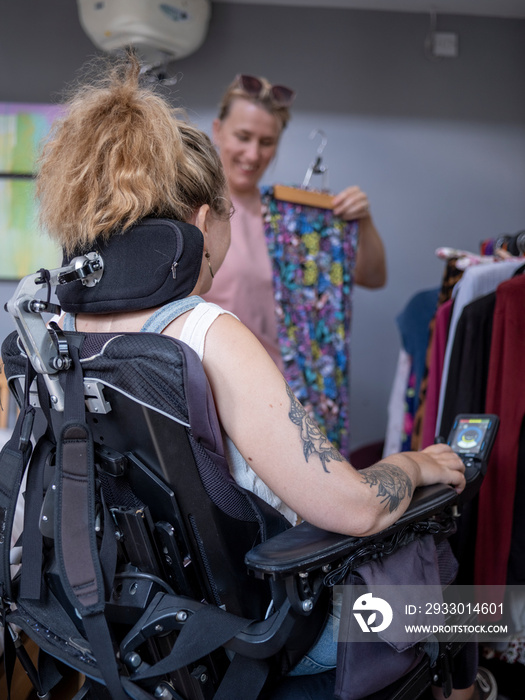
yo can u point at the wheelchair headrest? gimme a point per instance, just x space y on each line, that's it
150 264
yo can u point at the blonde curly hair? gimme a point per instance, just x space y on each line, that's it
119 154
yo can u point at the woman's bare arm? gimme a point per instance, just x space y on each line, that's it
288 451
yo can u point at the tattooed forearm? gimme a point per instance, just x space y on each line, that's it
393 484
314 442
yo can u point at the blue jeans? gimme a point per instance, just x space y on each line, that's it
323 655
320 686
313 678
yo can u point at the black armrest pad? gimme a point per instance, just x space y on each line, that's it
305 546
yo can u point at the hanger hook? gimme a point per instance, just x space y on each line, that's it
324 140
316 167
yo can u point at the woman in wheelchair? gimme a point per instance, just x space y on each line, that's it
120 155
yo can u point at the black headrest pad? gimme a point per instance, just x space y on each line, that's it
139 271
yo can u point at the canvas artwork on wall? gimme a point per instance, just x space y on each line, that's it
24 248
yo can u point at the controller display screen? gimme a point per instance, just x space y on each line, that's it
469 435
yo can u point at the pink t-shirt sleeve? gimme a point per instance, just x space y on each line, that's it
243 284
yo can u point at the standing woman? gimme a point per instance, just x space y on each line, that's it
252 116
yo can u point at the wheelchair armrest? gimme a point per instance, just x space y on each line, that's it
306 547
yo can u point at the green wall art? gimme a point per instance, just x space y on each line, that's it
23 247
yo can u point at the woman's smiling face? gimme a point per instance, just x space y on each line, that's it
247 139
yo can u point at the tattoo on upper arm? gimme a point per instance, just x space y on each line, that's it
314 441
393 484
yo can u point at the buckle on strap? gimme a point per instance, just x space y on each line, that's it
26 429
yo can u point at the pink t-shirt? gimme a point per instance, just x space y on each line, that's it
243 284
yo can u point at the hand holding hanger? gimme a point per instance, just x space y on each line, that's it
352 203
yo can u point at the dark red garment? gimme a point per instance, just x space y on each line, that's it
506 398
435 371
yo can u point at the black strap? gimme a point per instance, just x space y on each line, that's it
75 535
9 654
205 631
13 460
244 679
48 672
43 679
31 573
99 637
108 549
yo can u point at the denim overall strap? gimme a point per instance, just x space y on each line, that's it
158 321
162 317
69 322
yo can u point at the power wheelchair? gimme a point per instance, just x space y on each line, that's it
144 566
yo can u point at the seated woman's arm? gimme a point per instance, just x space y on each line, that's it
288 451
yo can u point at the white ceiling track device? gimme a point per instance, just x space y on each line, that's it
160 32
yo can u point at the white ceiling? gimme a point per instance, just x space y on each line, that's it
489 8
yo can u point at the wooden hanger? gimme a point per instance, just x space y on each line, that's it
308 198
303 195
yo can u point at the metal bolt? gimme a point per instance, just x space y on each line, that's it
44 518
54 399
161 692
133 659
327 568
435 678
181 616
303 574
158 628
203 678
307 605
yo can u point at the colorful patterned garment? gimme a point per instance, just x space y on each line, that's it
313 256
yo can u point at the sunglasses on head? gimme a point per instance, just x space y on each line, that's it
280 95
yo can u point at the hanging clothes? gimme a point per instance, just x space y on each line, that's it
406 410
413 325
395 429
476 281
505 398
466 388
451 275
313 257
438 345
466 393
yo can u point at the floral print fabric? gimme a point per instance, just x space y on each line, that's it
313 257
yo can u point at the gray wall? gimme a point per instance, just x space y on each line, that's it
439 146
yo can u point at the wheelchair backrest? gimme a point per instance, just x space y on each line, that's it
158 447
